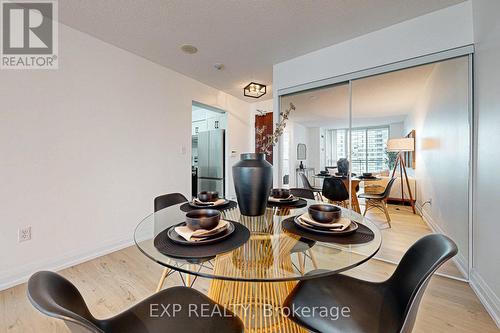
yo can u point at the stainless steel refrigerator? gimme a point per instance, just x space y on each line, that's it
211 161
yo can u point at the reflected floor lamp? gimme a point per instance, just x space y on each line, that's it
401 146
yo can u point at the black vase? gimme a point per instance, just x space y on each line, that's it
253 180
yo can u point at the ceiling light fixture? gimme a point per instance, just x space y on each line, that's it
189 49
254 90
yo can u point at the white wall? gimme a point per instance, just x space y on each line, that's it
485 275
86 148
437 31
440 120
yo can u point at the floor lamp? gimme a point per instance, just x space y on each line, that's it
401 146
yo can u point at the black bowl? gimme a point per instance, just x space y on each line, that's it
202 219
367 174
208 196
324 213
323 172
280 193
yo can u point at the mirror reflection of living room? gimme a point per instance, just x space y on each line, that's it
411 125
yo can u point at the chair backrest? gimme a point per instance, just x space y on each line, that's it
388 188
56 297
408 283
305 181
302 193
167 200
343 166
334 189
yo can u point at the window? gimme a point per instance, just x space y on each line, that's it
368 148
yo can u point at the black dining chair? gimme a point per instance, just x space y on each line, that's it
162 202
379 200
168 200
303 247
307 185
57 297
374 307
335 191
302 193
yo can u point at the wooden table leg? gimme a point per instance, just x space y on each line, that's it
258 304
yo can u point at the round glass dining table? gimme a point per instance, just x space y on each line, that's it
254 279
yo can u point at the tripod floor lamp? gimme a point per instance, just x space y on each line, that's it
401 146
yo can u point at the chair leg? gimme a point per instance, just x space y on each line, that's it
386 211
300 257
367 203
162 279
188 278
313 259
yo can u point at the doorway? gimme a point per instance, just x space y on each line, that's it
208 153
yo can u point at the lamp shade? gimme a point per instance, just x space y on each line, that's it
401 144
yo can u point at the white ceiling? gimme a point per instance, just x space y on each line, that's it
377 100
248 37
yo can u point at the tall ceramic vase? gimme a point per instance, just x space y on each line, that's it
253 179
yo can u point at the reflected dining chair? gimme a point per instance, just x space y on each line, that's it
378 200
307 185
57 297
335 191
303 193
161 202
303 247
374 307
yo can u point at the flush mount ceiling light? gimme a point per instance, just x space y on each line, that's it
254 90
189 49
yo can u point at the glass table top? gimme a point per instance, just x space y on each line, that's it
271 254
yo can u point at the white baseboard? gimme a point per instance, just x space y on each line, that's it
486 295
21 274
459 259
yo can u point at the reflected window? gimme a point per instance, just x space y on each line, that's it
368 148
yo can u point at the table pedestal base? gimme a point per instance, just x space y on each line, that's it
258 304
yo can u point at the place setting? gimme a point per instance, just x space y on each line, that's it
368 176
283 198
203 234
325 223
208 199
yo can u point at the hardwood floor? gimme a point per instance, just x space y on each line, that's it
116 281
406 229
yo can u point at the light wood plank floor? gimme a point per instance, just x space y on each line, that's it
406 229
116 281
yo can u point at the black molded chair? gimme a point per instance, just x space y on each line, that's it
335 190
307 185
161 202
56 297
378 200
302 193
303 248
167 200
384 307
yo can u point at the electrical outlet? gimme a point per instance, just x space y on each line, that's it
24 234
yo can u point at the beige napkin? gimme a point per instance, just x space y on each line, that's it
340 225
197 201
199 234
272 199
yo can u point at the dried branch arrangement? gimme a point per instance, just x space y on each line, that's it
265 142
